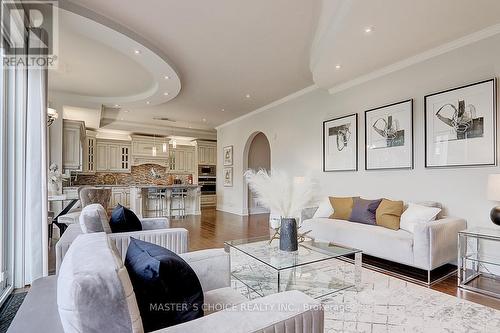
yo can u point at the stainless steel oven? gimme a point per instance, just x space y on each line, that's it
208 185
207 171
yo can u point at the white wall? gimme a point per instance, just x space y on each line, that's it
294 130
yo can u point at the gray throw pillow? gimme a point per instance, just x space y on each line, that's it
363 211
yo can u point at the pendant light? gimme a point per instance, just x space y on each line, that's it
153 151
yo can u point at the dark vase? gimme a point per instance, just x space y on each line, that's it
288 235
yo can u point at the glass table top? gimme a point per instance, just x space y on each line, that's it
269 253
493 233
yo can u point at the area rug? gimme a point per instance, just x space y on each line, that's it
387 304
9 310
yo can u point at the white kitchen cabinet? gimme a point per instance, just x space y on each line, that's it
113 156
207 153
120 195
182 159
90 153
73 138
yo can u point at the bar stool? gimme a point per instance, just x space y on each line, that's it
179 195
155 196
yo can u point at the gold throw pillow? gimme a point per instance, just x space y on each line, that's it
342 208
388 214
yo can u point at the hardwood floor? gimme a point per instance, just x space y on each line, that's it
212 228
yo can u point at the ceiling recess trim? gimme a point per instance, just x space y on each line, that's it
421 57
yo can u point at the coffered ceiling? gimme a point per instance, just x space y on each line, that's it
235 56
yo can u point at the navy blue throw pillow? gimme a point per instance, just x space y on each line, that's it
124 220
167 289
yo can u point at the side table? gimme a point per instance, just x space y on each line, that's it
477 270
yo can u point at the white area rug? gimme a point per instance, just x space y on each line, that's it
387 304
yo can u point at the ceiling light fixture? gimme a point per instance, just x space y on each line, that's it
338 66
148 102
164 147
223 110
369 30
165 93
153 150
204 120
166 77
174 143
137 51
126 111
117 106
248 96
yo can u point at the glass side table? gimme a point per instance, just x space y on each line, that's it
477 270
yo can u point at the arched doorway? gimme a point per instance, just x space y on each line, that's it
257 156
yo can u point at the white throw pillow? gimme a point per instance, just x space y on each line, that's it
325 209
94 291
94 219
416 214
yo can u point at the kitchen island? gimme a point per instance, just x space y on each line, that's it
148 200
165 200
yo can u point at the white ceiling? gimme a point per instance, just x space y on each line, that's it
402 28
225 49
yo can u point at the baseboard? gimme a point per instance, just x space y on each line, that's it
230 210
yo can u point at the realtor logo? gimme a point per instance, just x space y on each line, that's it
29 31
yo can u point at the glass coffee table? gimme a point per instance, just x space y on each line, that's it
317 269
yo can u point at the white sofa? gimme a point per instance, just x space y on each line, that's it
430 246
80 310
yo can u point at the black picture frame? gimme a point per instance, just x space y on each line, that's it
494 120
355 115
412 150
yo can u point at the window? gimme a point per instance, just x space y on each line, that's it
6 271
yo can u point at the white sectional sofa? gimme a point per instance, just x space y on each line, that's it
430 246
58 304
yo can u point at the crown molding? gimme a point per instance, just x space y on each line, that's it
270 105
421 57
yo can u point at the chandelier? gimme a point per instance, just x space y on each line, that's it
52 115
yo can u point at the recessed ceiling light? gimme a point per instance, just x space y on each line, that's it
117 106
148 102
222 110
166 77
248 96
165 93
369 29
137 51
121 118
204 120
126 111
337 66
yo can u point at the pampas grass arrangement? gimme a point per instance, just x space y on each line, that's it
281 193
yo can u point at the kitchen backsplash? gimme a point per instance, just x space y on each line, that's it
139 175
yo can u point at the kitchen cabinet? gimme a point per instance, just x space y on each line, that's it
89 153
113 156
208 200
120 195
73 142
182 159
207 153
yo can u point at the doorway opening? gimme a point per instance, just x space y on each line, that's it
257 156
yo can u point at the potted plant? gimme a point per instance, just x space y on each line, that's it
283 195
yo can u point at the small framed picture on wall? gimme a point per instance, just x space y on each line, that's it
228 177
340 144
460 126
228 155
389 136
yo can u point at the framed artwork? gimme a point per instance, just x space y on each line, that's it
389 136
228 155
228 177
460 126
340 144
